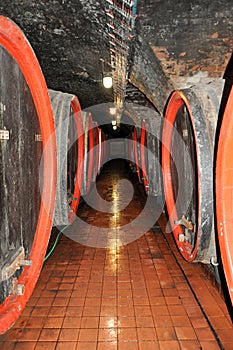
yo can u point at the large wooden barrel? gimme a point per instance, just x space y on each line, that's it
104 149
101 151
150 155
97 147
130 151
224 192
70 153
187 163
136 150
88 152
28 171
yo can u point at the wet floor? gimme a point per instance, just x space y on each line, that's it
114 283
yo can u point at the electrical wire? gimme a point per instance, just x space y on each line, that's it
55 243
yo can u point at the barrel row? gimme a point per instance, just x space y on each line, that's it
50 154
144 154
80 154
197 166
195 154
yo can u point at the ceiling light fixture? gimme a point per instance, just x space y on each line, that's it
112 110
106 76
107 81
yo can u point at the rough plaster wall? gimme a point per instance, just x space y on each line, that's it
191 42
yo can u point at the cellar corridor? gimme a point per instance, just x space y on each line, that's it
120 291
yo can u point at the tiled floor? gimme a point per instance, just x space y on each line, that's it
133 296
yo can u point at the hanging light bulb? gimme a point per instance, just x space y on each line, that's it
114 127
112 110
107 82
113 122
106 76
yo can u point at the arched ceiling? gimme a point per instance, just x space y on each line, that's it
176 43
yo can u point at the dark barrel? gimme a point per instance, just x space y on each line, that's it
187 163
130 151
27 171
97 147
104 152
88 152
70 153
150 155
101 150
136 150
224 192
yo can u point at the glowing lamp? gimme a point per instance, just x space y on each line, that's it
107 82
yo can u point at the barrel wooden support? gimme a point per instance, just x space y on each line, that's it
28 171
70 152
187 164
150 155
224 193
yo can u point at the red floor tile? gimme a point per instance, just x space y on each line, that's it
86 345
128 345
126 321
127 334
148 345
185 333
7 345
164 321
166 333
110 345
24 346
169 344
146 333
47 345
49 335
67 345
90 334
212 345
30 334
71 322
190 345
69 334
107 334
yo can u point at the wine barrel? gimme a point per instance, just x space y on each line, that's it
28 171
70 153
96 150
101 140
187 163
224 192
130 151
150 155
104 149
144 156
136 147
88 152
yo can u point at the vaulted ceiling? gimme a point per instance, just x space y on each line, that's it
175 44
